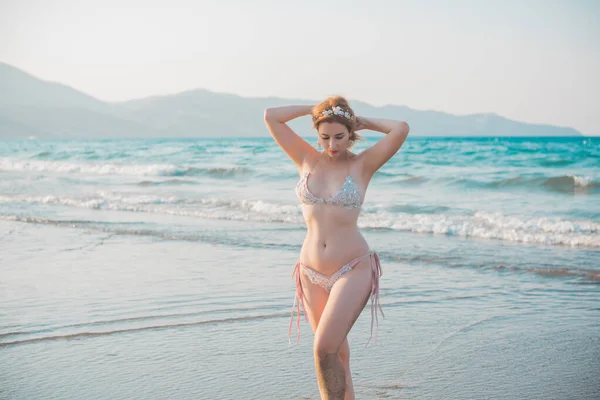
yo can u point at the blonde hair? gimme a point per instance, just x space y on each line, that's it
336 109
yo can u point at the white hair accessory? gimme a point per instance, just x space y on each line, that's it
337 110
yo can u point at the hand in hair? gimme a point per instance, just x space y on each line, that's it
360 124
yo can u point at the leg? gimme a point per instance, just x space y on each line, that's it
315 300
346 301
345 359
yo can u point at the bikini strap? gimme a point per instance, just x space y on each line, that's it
375 304
298 305
347 165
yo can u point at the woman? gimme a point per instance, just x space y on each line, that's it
336 272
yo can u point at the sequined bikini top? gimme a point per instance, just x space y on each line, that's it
346 197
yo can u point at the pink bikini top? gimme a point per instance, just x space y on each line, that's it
346 197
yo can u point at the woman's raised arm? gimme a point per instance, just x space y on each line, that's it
290 142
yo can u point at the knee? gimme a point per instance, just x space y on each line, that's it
325 347
345 353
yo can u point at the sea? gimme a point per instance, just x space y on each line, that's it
161 269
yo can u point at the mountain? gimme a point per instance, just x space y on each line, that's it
33 107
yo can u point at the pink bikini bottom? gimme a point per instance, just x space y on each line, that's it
327 282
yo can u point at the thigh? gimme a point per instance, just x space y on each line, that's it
346 301
315 299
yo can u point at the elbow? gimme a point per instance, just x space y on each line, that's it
269 115
403 128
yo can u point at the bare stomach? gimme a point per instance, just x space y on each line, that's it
329 245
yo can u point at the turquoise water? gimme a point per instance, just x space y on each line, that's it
162 269
530 191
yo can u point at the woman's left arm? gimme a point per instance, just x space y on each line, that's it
378 154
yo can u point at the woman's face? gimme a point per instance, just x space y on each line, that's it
335 138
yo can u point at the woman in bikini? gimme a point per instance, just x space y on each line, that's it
336 272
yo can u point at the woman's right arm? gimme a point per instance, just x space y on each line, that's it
294 146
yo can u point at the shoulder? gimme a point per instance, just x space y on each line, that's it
359 165
308 162
357 159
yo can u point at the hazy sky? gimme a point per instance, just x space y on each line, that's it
529 60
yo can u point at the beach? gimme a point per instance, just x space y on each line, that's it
162 270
